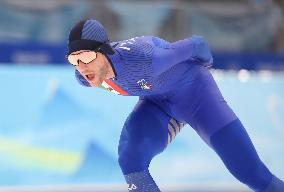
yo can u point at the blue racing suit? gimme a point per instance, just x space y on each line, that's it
175 87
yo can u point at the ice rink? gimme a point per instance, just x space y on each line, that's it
58 136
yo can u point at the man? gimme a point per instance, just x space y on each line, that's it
175 87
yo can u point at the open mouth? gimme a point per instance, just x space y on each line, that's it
90 77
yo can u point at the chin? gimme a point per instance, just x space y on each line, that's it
96 83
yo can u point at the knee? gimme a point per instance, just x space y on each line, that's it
133 157
142 137
138 144
136 152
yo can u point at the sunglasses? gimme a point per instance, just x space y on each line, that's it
85 56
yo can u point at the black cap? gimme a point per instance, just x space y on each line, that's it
89 35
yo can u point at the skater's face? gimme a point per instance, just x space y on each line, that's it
96 69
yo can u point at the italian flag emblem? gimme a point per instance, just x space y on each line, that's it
112 87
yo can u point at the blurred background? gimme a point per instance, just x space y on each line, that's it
58 136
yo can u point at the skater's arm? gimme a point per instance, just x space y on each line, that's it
193 49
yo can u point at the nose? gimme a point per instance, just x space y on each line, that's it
81 65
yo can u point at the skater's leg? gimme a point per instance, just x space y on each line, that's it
236 150
216 123
144 135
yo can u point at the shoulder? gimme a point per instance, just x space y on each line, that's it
132 42
134 46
